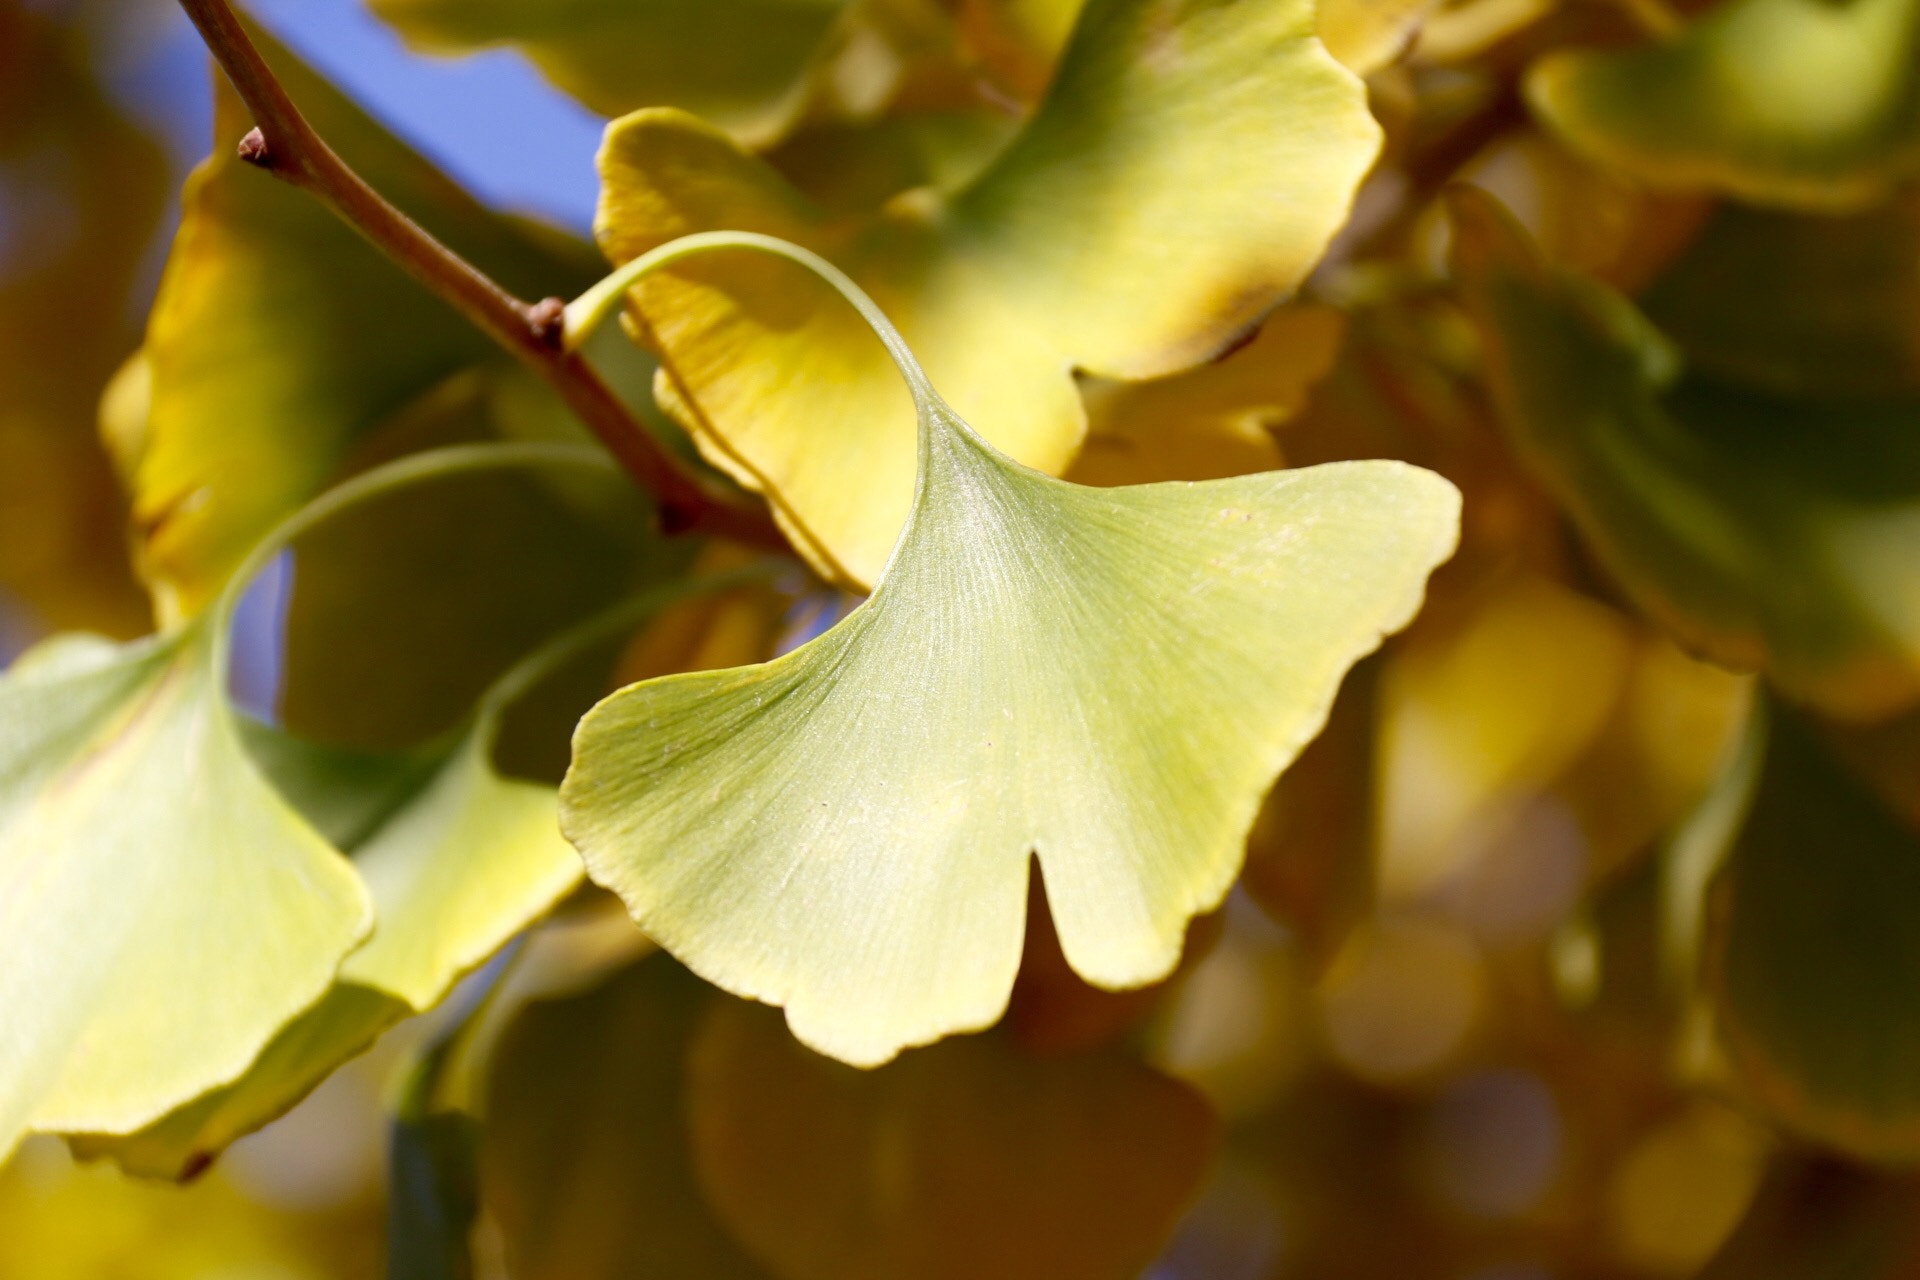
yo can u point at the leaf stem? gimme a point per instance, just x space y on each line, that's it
607 624
414 469
586 313
287 146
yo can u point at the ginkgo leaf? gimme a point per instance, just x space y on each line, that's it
1813 949
1213 421
1108 679
747 65
167 911
1367 35
1795 102
279 337
1767 532
457 859
1187 168
460 865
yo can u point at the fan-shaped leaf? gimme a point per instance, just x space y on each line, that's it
1109 678
166 911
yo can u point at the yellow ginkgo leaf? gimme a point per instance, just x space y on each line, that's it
1186 170
1795 102
456 857
746 65
1105 679
166 910
1213 421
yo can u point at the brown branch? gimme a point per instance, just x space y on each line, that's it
287 146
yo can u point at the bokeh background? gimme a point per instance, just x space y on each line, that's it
1433 1089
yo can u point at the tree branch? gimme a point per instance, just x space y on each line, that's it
287 146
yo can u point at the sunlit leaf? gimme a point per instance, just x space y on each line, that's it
181 1144
280 337
968 1159
458 860
1018 41
585 1162
746 65
1767 532
1813 956
1366 35
1214 421
167 911
1794 102
1187 168
1107 678
853 167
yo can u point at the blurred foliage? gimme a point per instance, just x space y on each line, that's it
83 192
1576 945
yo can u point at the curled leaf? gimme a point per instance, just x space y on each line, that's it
166 910
1792 102
1108 679
1188 167
1213 421
457 859
1766 531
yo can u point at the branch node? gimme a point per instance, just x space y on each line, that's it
253 150
548 320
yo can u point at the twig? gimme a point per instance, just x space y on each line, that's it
285 145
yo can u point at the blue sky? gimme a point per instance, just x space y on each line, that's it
489 119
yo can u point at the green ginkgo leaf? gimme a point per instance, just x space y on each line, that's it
1813 949
747 65
458 859
1188 167
1795 102
465 861
1767 531
166 910
1107 679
